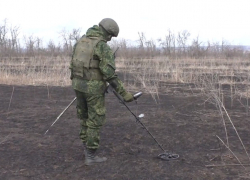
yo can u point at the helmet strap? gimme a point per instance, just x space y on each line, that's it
107 36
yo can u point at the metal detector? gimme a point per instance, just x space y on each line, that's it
60 115
165 155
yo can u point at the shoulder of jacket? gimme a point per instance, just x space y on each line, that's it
103 46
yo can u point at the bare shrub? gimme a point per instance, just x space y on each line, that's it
182 39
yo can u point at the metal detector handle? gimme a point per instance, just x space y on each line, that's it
118 96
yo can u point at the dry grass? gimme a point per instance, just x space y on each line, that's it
150 74
146 74
35 71
185 70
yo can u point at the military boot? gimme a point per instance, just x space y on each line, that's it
90 158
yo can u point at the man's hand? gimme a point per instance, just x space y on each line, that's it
128 97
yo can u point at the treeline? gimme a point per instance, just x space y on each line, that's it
174 45
13 45
180 45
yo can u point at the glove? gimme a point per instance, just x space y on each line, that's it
128 97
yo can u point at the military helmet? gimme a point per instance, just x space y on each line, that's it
110 26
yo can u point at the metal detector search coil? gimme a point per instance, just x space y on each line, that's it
168 156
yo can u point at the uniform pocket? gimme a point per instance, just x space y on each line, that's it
100 106
101 111
96 111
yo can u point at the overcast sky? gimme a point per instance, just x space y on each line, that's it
212 20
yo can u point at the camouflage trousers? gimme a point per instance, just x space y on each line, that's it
91 112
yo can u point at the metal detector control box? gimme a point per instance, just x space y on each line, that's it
137 95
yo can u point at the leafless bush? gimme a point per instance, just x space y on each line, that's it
182 39
169 44
9 42
12 45
69 39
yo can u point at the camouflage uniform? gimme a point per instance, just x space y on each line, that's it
90 87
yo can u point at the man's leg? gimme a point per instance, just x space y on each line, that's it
96 118
82 114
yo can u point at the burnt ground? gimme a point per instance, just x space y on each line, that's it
181 122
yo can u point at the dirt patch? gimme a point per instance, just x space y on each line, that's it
180 122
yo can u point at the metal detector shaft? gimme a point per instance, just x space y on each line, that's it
138 120
61 114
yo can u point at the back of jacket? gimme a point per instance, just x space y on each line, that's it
93 64
84 65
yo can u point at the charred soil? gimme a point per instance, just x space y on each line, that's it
181 122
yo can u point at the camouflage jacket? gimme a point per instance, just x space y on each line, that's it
102 52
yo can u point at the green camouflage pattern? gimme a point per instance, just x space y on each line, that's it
107 67
83 57
91 87
95 32
90 93
91 112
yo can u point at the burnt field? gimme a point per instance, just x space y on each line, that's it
182 121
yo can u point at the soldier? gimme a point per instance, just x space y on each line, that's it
93 65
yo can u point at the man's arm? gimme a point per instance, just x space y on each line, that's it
107 67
